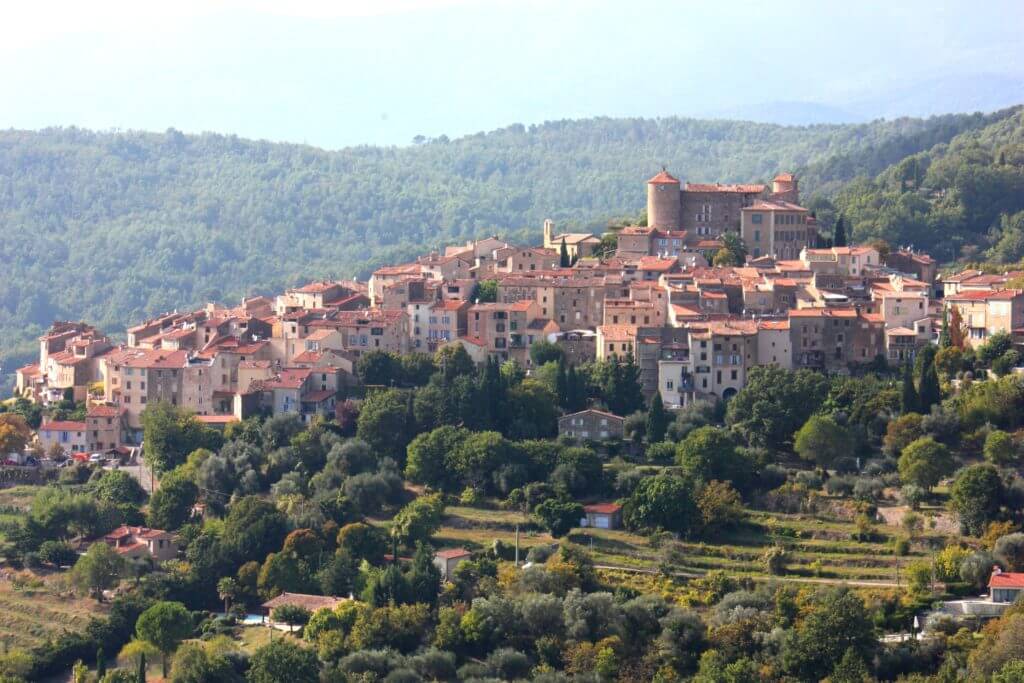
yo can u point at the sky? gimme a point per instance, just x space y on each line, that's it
342 73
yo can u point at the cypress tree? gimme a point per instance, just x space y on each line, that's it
575 391
929 392
839 235
141 677
564 255
101 664
908 399
657 419
562 385
945 339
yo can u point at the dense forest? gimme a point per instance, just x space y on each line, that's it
117 225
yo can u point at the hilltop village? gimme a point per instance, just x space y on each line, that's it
709 446
659 295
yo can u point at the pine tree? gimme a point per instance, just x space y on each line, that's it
839 235
424 576
101 664
945 340
564 255
850 669
908 399
657 419
929 392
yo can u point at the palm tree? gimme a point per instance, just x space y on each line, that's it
227 589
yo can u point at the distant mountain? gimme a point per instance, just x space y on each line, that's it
953 93
112 227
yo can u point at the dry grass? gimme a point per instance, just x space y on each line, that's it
31 616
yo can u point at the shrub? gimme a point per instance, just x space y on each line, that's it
774 560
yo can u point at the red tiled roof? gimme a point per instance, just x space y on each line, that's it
103 411
718 187
62 426
452 553
985 295
1001 579
602 508
663 178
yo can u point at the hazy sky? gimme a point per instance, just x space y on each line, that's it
382 71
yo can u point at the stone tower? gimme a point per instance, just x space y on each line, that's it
784 187
664 204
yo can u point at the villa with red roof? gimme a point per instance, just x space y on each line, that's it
138 543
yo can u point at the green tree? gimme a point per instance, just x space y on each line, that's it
419 520
424 576
384 423
563 255
292 615
428 460
774 404
824 441
544 352
170 433
487 291
839 232
559 517
119 487
379 368
1000 448
924 462
837 623
710 453
929 392
284 660
99 569
909 402
657 419
171 504
164 626
662 502
976 496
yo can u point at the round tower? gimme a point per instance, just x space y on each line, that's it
664 203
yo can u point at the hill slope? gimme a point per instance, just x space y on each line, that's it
113 226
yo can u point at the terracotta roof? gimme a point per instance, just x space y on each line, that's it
602 508
452 553
317 396
216 419
595 411
103 411
62 426
774 205
785 177
1001 579
718 187
310 602
617 331
663 178
655 263
985 295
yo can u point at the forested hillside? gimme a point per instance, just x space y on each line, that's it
961 199
113 226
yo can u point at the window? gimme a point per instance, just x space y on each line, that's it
756 218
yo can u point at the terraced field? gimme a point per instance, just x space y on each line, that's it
29 616
818 548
